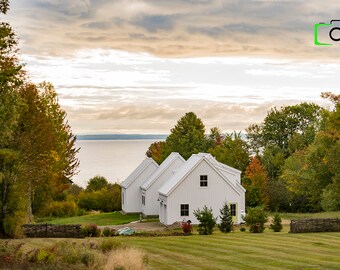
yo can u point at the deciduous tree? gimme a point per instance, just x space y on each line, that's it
256 184
96 183
232 151
156 151
187 137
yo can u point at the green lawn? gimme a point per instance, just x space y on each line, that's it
242 250
236 250
114 218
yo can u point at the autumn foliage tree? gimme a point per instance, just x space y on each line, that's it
156 151
37 147
255 182
11 79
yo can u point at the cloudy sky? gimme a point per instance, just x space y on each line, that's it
137 66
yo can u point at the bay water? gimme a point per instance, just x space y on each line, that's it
113 159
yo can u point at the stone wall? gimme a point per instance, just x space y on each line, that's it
52 231
315 225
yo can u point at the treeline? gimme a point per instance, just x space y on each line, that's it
290 162
37 147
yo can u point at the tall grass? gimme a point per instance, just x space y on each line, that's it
126 259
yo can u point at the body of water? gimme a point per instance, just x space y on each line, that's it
113 159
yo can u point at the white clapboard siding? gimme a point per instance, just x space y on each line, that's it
131 193
184 188
160 176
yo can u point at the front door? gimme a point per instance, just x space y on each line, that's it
233 212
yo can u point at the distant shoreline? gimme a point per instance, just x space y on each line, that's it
107 137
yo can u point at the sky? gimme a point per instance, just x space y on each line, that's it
138 66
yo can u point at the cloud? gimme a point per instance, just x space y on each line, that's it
174 28
114 91
153 23
161 117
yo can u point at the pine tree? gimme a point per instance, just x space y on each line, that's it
226 224
206 220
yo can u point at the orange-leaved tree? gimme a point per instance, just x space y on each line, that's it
255 182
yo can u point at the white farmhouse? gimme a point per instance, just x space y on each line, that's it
131 193
201 181
149 199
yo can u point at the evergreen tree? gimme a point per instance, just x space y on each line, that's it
276 224
226 224
206 220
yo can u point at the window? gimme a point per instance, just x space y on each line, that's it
233 209
143 200
184 210
204 180
123 197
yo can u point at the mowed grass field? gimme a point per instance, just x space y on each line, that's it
236 250
243 250
114 218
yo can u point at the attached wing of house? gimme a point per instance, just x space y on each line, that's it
131 185
149 189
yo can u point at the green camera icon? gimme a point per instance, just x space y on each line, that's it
334 32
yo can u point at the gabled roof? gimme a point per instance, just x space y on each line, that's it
165 164
189 166
141 167
219 164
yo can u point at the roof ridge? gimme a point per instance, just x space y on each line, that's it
140 169
164 165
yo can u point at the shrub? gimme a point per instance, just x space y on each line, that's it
255 219
59 209
90 230
186 227
276 224
11 225
226 224
81 212
107 232
107 199
242 229
108 245
206 220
